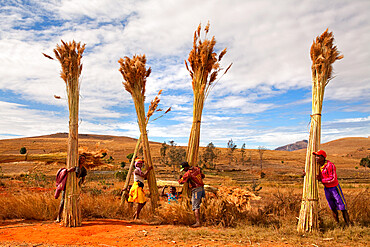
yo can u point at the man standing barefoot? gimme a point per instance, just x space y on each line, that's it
194 176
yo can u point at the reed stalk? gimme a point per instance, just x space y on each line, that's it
69 55
152 108
323 55
130 170
134 74
204 67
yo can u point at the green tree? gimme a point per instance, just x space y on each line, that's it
23 150
261 150
242 152
163 152
365 162
129 156
175 155
231 146
123 164
209 155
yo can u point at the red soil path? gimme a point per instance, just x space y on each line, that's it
102 232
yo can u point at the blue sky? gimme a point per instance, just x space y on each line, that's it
264 99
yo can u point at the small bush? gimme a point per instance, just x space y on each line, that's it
121 175
123 164
23 150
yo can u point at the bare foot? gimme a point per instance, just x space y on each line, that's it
135 216
57 220
196 225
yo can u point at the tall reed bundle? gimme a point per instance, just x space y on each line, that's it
204 67
134 74
69 55
323 55
152 108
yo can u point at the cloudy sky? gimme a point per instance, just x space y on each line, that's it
264 99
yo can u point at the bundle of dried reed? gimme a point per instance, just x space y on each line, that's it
152 109
69 55
323 55
204 67
134 74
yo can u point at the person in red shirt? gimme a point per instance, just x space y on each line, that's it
333 192
194 176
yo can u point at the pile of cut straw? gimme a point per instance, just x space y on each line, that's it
69 55
134 74
93 158
323 55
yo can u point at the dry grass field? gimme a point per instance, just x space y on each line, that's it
27 202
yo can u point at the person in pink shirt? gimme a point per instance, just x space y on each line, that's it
333 192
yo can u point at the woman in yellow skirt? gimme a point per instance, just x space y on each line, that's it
136 192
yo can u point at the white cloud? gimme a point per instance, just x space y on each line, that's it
268 44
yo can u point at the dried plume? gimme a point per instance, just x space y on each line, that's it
323 54
69 54
203 63
153 106
134 73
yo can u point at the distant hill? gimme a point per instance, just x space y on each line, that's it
294 146
354 147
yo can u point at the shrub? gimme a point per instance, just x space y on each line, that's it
123 164
121 175
23 150
365 162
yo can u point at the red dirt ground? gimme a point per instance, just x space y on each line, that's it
101 232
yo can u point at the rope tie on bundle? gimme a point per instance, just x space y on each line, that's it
311 116
73 195
310 200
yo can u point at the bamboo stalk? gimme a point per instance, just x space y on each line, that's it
323 55
134 74
69 56
204 66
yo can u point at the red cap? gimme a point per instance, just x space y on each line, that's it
320 152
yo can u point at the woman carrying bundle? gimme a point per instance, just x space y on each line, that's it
136 192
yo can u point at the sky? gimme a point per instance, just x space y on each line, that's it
263 100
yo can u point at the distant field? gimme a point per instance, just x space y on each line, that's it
27 183
48 154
